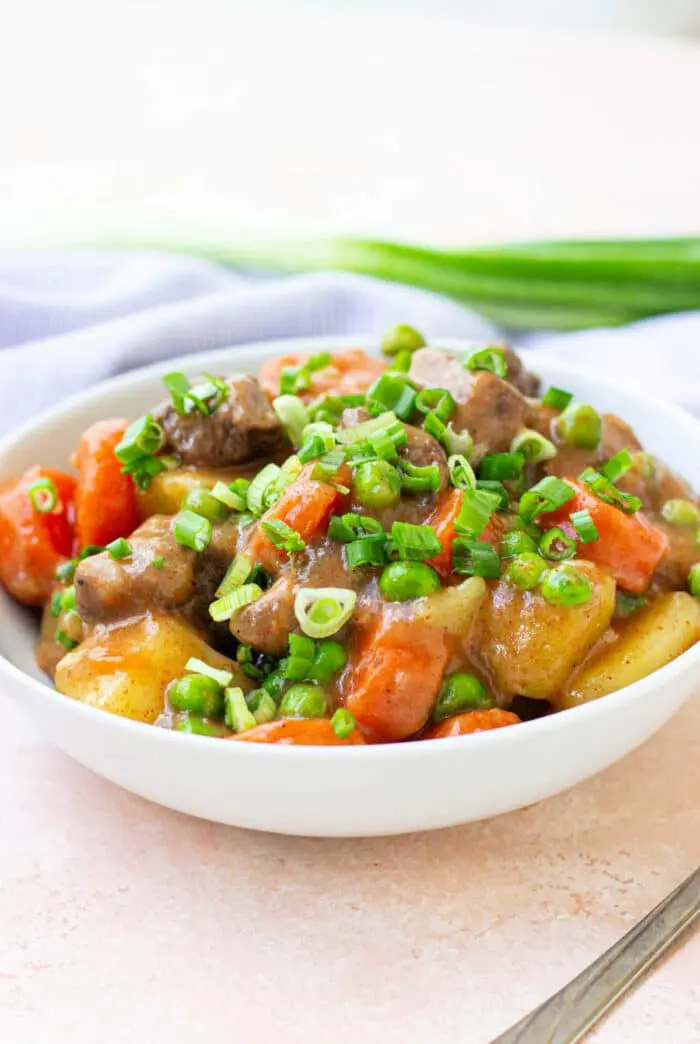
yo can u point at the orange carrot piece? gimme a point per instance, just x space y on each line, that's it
629 546
472 721
394 678
350 373
33 545
106 506
300 732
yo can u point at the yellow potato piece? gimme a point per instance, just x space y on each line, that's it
530 647
453 609
652 638
167 491
125 669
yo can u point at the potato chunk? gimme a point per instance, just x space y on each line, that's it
531 647
125 668
167 491
652 638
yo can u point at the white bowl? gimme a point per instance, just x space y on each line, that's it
356 791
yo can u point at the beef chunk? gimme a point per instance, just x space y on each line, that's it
526 382
435 368
106 589
243 428
683 552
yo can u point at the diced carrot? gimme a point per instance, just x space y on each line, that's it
472 721
33 545
350 373
629 546
106 505
301 732
306 506
394 678
443 522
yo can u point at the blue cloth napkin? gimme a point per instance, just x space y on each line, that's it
68 320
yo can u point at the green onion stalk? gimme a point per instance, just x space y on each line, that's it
548 285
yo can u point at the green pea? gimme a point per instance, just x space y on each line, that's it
580 425
304 701
402 581
694 580
329 660
203 503
566 585
525 571
459 693
681 513
197 694
198 726
402 338
377 484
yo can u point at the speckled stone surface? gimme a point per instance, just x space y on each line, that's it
122 922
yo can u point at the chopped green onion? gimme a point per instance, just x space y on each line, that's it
580 425
262 706
222 678
584 525
283 536
224 608
460 693
55 604
288 473
192 530
549 494
404 581
66 641
498 490
534 447
229 497
557 546
144 469
377 484
517 543
566 585
236 575
617 466
681 513
502 467
329 409
293 415
295 668
329 660
369 551
626 604
435 427
391 392
300 645
328 466
557 398
413 543
237 716
491 359
475 558
608 493
402 362
402 338
68 600
461 472
343 722
437 401
321 611
158 563
142 438
694 580
89 551
304 701
43 496
206 397
317 438
525 570
457 442
119 548
362 432
259 487
274 683
66 570
475 513
416 479
178 385
296 379
347 528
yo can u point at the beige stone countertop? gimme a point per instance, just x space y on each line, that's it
123 922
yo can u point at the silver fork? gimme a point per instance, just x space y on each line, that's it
570 1013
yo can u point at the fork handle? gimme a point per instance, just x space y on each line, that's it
570 1013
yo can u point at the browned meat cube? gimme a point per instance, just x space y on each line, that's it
244 427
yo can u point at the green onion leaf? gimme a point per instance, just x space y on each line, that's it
56 603
413 543
227 495
237 716
283 536
369 551
617 466
236 575
66 641
178 386
402 338
502 467
142 438
192 530
457 442
224 608
475 513
419 479
222 678
584 525
349 527
491 359
328 466
390 392
259 488
66 570
461 472
557 398
475 558
608 493
498 490
534 447
119 548
437 401
293 416
517 543
549 494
